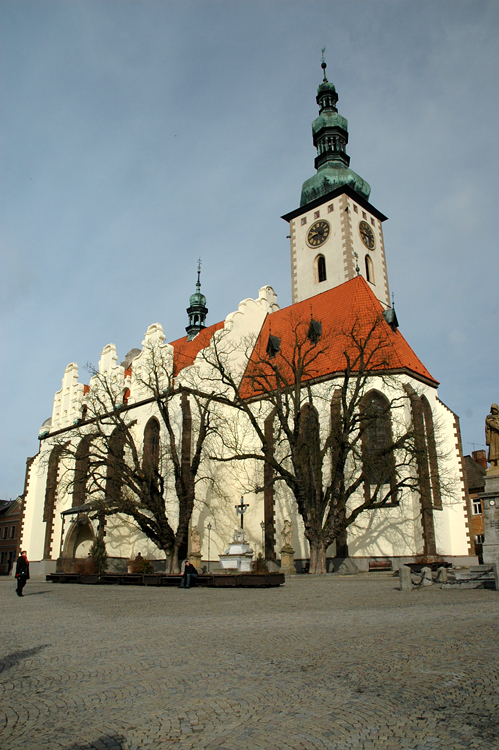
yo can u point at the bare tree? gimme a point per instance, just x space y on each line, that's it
339 444
117 469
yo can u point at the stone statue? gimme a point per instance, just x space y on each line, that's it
195 541
287 534
492 435
239 536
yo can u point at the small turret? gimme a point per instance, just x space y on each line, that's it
197 310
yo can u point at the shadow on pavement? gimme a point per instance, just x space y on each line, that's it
17 656
35 593
114 742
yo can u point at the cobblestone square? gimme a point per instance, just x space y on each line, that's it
337 663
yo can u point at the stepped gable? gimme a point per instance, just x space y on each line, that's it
342 310
185 351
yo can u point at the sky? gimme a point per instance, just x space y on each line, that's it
137 136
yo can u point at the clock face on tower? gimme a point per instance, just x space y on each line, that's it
367 235
318 233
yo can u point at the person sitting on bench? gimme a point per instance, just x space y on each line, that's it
189 573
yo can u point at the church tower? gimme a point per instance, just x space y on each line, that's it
336 234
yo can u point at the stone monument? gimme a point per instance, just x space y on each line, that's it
490 495
239 554
287 551
195 555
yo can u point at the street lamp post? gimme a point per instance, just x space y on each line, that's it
262 526
209 540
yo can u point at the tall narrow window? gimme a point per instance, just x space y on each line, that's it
369 270
115 455
321 268
431 450
309 452
150 459
50 496
81 472
268 491
426 459
377 456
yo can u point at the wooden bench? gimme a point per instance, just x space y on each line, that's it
380 565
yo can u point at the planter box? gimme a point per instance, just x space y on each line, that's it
151 579
223 581
131 579
63 577
90 579
243 580
263 580
169 580
110 578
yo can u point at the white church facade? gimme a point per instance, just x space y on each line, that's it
237 382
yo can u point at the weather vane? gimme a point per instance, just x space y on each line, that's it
323 63
199 268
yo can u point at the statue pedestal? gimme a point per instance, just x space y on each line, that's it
490 498
238 555
288 561
195 558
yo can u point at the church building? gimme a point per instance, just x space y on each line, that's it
259 403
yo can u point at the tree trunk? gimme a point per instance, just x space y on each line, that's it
317 557
172 561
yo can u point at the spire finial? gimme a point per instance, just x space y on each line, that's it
197 309
323 64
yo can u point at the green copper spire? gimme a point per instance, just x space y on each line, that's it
330 135
197 310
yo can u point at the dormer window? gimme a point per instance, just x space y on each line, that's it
314 331
273 346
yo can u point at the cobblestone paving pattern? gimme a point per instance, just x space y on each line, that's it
324 662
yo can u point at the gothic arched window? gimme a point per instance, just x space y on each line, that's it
82 462
377 454
268 490
431 453
309 451
114 478
369 270
50 497
150 461
321 268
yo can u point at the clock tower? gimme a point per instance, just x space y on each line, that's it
336 233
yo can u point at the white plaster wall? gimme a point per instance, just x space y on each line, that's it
387 532
33 533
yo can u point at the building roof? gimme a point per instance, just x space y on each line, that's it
350 308
185 351
347 313
6 506
475 474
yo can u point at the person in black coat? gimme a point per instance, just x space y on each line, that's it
22 572
189 573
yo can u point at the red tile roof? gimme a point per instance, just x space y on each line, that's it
348 310
185 352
